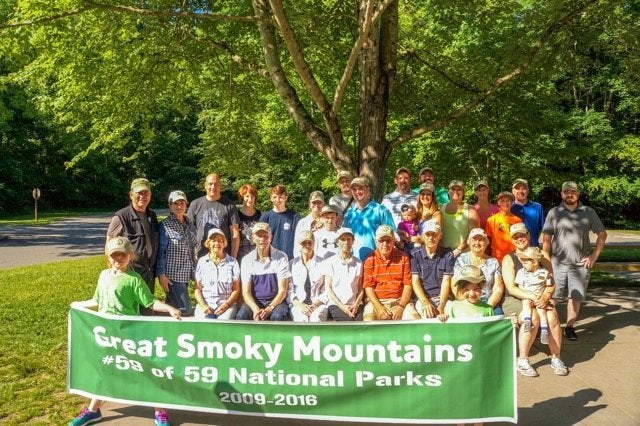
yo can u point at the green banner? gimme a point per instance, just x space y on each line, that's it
402 372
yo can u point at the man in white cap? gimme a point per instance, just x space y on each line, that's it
364 217
176 262
402 195
139 224
343 280
265 277
387 280
565 236
431 271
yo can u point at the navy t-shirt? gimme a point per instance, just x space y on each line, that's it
283 227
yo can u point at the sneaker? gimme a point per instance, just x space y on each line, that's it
571 334
527 325
558 367
544 337
87 417
161 418
525 368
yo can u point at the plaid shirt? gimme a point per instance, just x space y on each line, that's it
176 256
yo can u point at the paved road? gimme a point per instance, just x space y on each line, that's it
67 239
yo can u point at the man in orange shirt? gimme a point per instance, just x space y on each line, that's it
498 227
387 280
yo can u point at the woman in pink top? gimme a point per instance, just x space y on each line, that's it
483 206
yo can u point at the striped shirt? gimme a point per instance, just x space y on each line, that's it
387 277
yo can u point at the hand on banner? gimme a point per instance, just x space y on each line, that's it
443 317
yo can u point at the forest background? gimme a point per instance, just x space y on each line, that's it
94 93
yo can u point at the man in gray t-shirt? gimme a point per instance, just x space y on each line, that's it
565 235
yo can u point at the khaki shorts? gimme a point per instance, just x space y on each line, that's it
409 313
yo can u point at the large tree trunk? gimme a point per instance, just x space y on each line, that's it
377 71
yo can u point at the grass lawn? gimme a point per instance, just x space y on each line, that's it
34 301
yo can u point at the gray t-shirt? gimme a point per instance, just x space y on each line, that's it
207 214
570 232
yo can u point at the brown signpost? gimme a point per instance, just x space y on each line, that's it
36 195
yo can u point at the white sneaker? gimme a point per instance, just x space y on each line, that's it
558 367
525 368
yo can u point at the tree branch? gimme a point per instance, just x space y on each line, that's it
299 62
467 86
332 146
90 5
46 19
163 14
499 82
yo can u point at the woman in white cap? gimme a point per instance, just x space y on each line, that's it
217 280
493 288
176 261
306 287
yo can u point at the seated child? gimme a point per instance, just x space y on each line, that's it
531 277
121 291
467 286
409 227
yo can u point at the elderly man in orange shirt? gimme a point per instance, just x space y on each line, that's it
387 280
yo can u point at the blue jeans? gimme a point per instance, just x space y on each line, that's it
279 313
178 297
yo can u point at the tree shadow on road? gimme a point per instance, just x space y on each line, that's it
605 311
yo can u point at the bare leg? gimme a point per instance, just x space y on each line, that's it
555 335
525 340
95 405
573 308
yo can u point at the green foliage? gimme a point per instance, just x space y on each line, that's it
105 95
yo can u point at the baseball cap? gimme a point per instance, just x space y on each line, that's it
426 169
402 170
570 186
477 232
428 186
344 174
385 231
468 273
360 181
480 183
177 195
329 208
505 194
118 245
530 253
519 182
305 236
455 183
342 231
430 226
260 226
518 228
406 207
316 196
140 184
215 231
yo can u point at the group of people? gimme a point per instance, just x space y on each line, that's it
421 253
